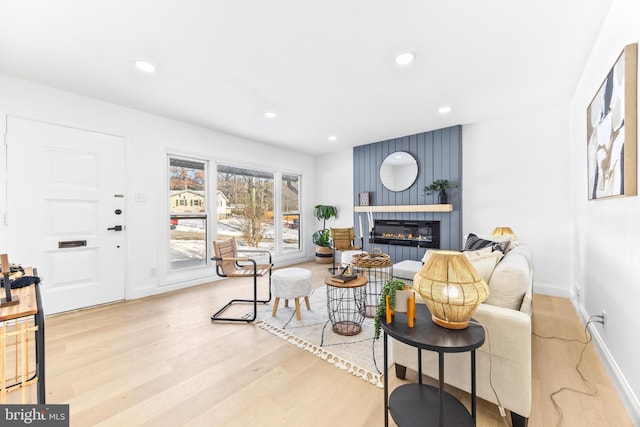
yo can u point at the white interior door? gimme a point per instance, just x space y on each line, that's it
65 211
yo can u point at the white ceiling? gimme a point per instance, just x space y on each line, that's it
326 68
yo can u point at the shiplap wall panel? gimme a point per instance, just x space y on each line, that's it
439 156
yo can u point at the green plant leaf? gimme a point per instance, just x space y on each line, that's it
389 288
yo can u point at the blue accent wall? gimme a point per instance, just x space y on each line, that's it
439 156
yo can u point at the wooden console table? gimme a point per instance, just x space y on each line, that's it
19 323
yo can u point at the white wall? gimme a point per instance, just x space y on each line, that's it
148 140
515 174
334 186
606 255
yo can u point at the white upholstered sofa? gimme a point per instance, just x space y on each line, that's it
507 345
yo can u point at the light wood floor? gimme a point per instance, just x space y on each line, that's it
160 361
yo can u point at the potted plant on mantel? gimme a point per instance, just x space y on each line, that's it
320 238
441 186
389 288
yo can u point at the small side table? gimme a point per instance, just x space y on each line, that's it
421 404
20 323
346 305
377 274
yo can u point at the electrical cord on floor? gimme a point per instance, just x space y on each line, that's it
503 414
588 338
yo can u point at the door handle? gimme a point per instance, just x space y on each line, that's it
115 228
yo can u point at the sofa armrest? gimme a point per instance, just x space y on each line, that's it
508 332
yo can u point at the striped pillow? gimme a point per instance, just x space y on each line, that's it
474 243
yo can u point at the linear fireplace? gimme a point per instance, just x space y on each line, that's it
422 234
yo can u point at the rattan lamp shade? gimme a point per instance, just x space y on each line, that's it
451 288
503 231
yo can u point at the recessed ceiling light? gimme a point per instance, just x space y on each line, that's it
405 58
270 115
333 138
145 66
444 110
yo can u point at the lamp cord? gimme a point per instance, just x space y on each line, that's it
585 380
503 414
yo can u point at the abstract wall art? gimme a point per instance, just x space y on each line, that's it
612 131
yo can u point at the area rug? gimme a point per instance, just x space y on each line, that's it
359 355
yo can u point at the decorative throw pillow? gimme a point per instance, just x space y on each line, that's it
474 242
478 252
426 256
509 282
484 264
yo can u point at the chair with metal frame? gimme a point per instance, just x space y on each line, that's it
229 264
343 239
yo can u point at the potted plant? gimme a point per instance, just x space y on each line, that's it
441 186
321 237
389 288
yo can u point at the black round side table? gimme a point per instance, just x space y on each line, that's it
421 404
346 305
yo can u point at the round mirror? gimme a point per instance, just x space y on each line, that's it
398 171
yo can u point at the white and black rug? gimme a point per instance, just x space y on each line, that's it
359 355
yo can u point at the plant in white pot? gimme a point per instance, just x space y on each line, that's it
320 238
390 288
441 186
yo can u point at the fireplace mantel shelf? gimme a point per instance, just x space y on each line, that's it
405 208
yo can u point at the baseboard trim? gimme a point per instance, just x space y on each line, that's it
628 398
551 290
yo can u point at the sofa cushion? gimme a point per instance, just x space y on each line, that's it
478 252
509 282
485 263
475 242
406 269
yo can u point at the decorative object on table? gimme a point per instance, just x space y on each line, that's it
503 231
345 273
374 258
8 299
405 302
389 289
612 131
451 288
363 198
324 253
441 186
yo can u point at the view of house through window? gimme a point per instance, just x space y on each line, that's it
247 208
188 213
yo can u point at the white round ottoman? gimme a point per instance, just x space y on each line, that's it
291 283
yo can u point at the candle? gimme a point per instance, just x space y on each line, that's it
361 230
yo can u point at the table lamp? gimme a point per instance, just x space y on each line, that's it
451 288
503 231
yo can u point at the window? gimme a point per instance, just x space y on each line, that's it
188 215
249 201
248 195
290 212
